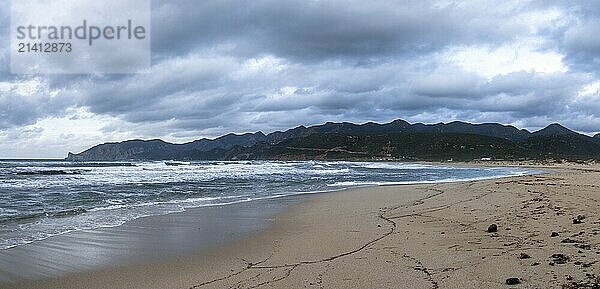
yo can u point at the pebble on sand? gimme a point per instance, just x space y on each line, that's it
560 258
493 228
513 281
524 256
579 219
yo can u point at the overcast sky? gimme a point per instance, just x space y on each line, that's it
224 66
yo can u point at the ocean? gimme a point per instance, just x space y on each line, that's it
39 199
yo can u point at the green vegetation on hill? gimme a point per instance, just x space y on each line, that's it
397 140
405 146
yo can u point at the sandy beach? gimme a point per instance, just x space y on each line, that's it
299 144
413 236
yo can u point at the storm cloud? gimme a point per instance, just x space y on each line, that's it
223 66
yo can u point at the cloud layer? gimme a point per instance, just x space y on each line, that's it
237 66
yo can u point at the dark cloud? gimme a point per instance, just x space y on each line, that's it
574 35
581 47
24 101
316 30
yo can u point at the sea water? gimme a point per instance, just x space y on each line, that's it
39 199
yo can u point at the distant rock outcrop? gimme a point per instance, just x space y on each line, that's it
132 149
161 150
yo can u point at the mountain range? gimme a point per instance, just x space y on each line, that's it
397 140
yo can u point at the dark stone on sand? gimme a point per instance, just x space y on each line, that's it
569 241
554 234
560 258
535 263
513 281
577 221
493 228
584 246
524 256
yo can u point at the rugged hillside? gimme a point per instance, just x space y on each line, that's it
556 129
160 150
226 142
564 146
404 146
395 140
398 126
557 140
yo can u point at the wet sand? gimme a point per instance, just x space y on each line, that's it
416 236
144 240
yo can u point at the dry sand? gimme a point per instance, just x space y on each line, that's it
418 236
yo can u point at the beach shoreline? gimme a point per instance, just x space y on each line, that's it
143 240
389 235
